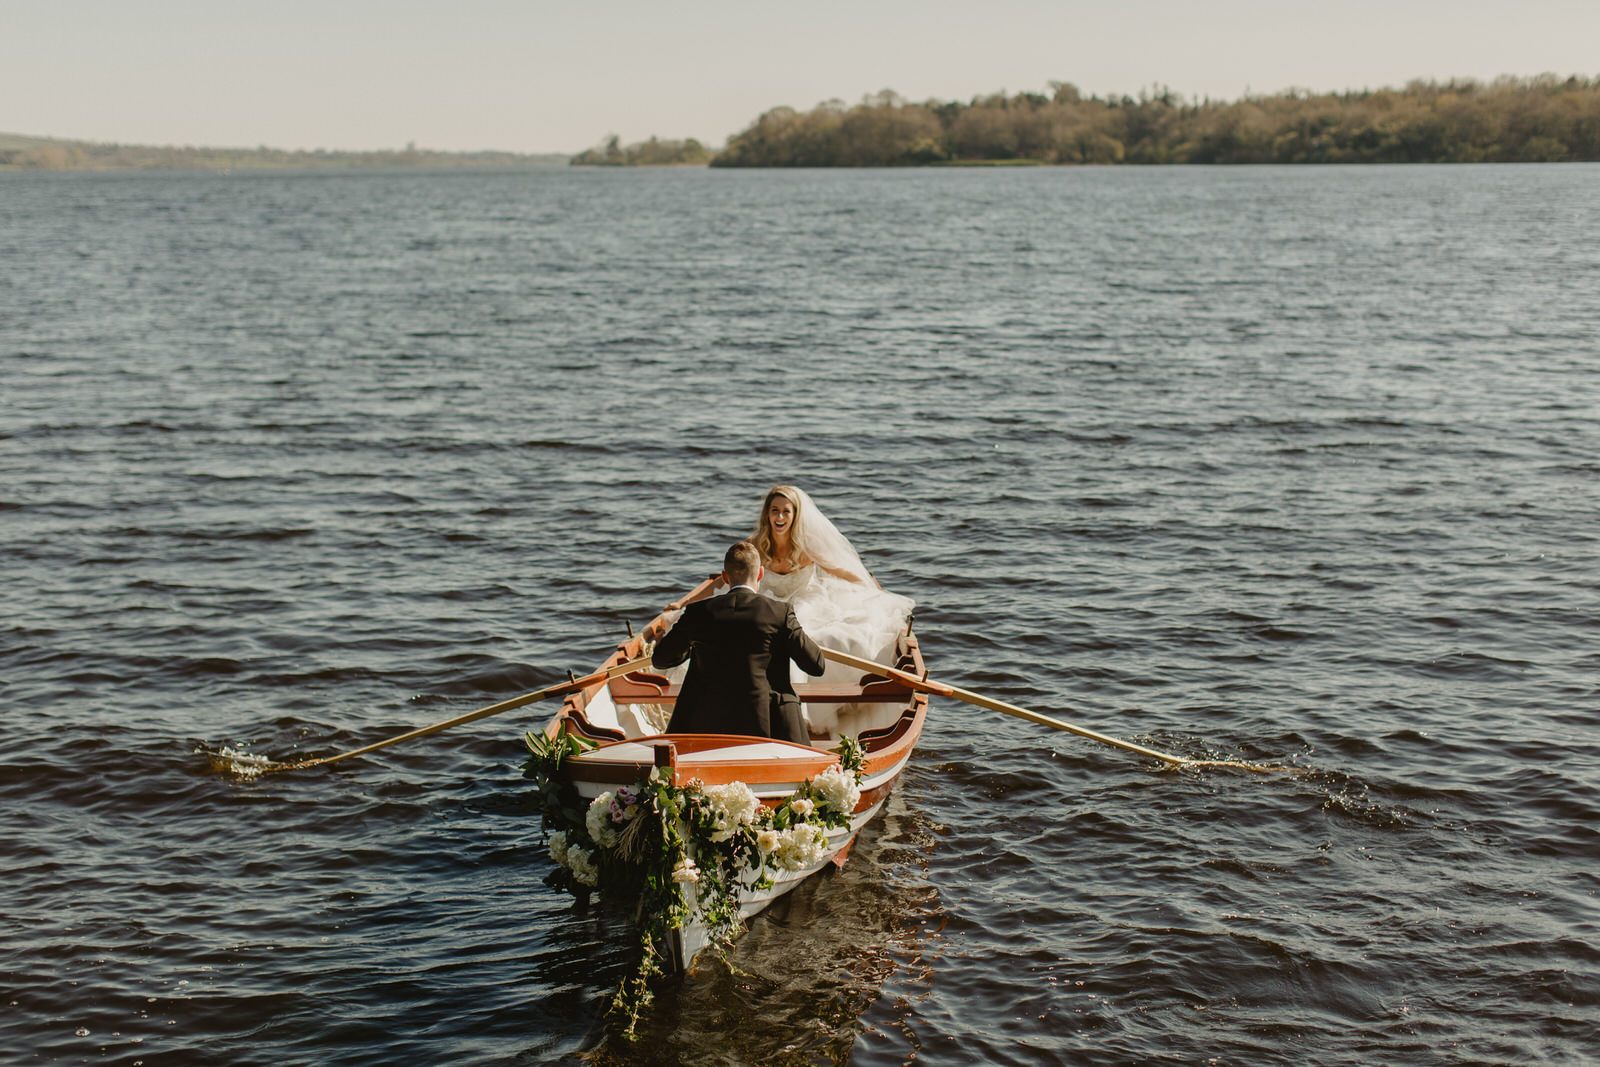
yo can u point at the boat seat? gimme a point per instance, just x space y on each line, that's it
647 687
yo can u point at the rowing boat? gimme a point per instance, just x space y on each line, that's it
604 746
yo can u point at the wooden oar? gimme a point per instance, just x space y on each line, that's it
940 689
570 686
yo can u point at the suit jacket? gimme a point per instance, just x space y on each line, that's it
739 646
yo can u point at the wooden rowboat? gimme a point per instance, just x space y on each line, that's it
616 715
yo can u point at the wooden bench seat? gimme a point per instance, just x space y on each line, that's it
646 687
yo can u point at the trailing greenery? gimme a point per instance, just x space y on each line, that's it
1543 119
18 152
651 153
681 854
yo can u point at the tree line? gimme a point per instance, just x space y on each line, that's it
651 153
1542 119
18 152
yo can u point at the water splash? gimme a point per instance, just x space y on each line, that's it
234 763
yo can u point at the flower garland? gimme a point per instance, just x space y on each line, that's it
652 841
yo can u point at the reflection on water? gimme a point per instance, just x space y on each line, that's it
831 964
1290 465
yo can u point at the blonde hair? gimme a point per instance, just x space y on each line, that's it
762 538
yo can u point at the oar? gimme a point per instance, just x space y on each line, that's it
570 686
940 689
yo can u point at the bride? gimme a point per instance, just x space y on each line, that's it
808 563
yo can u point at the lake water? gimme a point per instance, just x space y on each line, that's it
1290 465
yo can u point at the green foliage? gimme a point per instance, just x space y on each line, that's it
554 798
681 854
651 153
1509 120
851 756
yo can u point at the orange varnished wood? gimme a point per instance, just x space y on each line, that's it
642 688
882 749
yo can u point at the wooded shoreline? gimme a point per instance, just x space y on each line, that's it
1525 120
1532 120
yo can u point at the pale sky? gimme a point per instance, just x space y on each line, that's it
543 76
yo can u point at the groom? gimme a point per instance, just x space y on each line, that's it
739 646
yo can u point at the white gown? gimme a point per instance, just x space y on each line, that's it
855 617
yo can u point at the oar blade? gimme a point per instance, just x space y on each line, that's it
247 765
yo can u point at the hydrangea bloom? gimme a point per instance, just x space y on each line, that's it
837 789
597 820
733 807
580 861
558 847
801 846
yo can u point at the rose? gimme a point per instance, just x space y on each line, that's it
768 840
685 871
802 806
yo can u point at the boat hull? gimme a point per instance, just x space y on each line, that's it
607 714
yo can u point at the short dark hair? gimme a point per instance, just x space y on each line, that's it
741 562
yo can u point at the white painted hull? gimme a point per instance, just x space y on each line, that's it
609 714
687 942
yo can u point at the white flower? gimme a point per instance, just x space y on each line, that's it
768 840
686 871
580 861
838 789
802 806
597 820
733 806
558 847
802 846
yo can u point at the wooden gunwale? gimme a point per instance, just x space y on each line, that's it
882 748
715 759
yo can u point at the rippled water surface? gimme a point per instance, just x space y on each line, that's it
1294 465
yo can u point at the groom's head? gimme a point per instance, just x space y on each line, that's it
741 565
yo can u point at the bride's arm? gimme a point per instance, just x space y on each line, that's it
700 592
659 625
839 572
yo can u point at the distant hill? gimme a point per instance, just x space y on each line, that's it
22 152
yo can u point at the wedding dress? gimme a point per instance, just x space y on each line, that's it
860 618
855 617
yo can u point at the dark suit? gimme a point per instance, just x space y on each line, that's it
739 646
